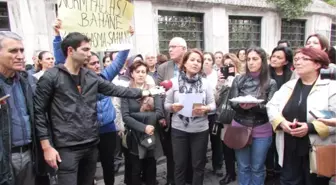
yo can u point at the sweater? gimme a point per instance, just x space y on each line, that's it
196 124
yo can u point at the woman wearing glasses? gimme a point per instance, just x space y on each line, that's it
296 130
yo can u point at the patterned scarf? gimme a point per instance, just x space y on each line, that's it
195 86
195 83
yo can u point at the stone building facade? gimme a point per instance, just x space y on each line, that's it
212 25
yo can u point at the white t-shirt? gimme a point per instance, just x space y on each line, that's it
38 75
212 78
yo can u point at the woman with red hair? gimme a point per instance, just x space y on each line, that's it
296 130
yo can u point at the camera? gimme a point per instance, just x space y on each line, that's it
228 70
329 73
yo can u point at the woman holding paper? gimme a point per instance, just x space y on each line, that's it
190 99
253 117
297 131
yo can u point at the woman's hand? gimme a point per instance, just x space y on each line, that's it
286 126
247 106
149 130
201 110
175 107
330 122
301 130
131 30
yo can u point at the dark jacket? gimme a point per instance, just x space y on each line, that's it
105 110
244 85
72 111
137 121
6 172
286 76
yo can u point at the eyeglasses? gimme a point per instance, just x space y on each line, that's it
302 58
173 46
93 63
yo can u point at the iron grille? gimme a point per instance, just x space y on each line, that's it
333 35
244 32
4 18
294 32
180 24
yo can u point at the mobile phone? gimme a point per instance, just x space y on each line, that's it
295 125
322 114
228 70
4 97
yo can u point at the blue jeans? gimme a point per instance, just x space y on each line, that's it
251 161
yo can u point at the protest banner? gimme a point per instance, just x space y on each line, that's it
105 22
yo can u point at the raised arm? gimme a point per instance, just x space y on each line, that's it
59 56
113 70
109 89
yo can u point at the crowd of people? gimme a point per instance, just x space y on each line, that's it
73 108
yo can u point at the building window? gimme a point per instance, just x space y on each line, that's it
333 35
180 24
294 32
4 18
244 32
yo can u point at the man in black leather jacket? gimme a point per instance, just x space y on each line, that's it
18 147
68 94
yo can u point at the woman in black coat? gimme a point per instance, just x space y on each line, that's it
141 118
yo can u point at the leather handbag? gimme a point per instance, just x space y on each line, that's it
323 160
147 141
237 137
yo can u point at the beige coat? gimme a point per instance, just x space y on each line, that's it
321 97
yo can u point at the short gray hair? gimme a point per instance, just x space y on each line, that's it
8 35
181 41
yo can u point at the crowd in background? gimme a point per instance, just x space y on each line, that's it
73 108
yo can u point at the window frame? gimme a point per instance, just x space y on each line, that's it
333 34
199 31
5 4
286 35
252 23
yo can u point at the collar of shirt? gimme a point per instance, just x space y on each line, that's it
10 80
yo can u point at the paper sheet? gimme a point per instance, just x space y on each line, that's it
188 101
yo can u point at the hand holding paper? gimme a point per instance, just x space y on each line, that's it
176 107
200 110
57 26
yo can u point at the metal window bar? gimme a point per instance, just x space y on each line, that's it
244 32
4 17
187 25
294 32
333 35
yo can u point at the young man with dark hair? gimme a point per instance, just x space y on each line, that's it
68 94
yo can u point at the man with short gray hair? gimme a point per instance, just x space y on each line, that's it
17 128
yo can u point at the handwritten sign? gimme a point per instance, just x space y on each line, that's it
105 22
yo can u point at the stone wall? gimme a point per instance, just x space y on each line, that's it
33 20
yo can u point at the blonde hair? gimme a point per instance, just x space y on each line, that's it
234 59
